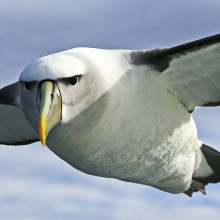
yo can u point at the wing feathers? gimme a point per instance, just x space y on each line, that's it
14 128
191 71
9 95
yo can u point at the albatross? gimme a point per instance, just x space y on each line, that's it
123 114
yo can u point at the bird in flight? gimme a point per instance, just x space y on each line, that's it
123 114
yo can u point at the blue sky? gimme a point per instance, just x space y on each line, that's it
35 183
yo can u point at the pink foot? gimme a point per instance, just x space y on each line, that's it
195 187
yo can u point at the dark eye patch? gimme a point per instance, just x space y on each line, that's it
73 80
28 85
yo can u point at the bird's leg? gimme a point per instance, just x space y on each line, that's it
195 187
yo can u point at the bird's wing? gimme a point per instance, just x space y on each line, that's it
14 128
191 70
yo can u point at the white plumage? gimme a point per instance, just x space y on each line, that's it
124 114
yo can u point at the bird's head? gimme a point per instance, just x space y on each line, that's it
56 88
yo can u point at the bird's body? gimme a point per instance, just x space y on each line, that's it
121 114
123 136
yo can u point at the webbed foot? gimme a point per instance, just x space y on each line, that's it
195 187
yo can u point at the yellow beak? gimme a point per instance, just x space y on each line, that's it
50 112
42 126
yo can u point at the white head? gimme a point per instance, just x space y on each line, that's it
58 87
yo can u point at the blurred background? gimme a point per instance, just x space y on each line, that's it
36 184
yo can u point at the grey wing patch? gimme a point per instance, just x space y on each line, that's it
191 71
14 128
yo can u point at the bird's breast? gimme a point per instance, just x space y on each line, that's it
136 132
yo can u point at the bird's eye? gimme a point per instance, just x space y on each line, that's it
74 80
27 85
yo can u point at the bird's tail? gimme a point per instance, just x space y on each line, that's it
213 159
